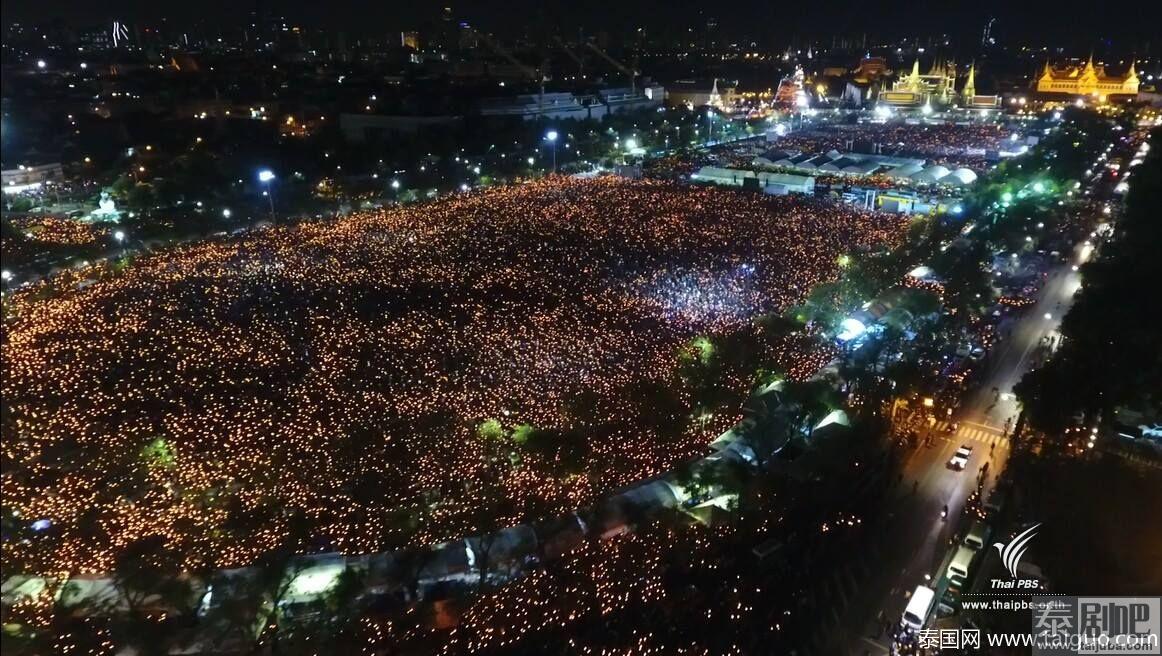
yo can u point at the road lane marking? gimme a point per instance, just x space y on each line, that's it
987 427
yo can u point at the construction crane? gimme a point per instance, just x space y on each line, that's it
572 55
537 74
632 74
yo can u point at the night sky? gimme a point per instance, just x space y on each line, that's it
1017 20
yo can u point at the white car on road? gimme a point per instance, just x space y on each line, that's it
960 458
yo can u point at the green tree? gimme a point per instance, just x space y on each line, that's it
150 586
20 204
491 430
1111 349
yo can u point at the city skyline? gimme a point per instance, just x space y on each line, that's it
762 22
526 330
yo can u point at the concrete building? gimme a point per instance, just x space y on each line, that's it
533 106
23 178
627 100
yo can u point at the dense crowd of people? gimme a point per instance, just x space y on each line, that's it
947 144
738 586
29 240
309 384
65 232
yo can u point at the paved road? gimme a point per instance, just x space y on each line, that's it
920 538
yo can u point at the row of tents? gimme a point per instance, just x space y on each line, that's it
902 168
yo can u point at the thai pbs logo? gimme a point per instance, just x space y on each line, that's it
1011 554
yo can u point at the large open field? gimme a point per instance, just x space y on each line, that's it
325 385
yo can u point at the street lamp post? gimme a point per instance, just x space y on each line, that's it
551 137
266 176
119 237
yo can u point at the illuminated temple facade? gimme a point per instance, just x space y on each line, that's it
1087 80
938 85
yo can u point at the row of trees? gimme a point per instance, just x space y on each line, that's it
1111 352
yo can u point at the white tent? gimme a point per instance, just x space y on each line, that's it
905 171
931 174
963 176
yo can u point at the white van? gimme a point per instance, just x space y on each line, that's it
961 564
977 535
919 606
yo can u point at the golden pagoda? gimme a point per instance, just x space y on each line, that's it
938 85
969 89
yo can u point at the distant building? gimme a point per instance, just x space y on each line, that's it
969 97
871 68
24 178
938 85
555 105
1087 80
691 93
626 99
790 92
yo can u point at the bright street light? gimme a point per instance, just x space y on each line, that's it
266 176
226 213
551 137
395 184
119 236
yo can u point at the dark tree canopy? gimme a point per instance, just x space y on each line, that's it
1112 352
